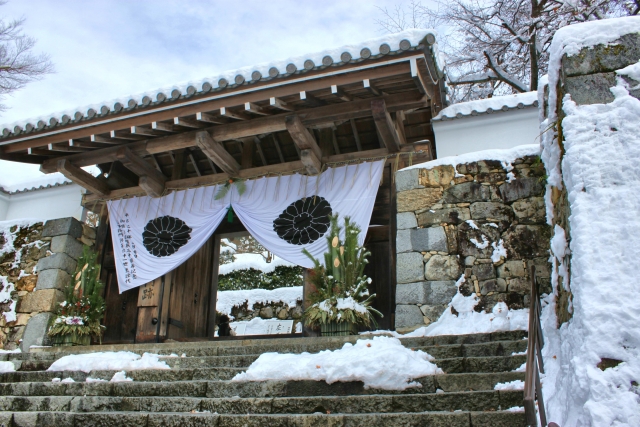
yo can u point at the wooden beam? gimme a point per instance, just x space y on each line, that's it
248 148
164 127
179 121
144 131
155 180
385 125
354 129
260 152
179 165
217 153
210 118
276 142
311 100
325 137
399 125
82 178
280 104
85 144
104 140
105 124
372 90
255 109
337 92
195 164
121 134
301 135
263 125
225 112
311 162
334 140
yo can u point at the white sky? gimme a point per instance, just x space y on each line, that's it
108 49
103 49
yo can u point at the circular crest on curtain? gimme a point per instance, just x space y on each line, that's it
163 236
303 221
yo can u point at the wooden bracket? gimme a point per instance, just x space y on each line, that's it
154 180
385 125
217 153
82 178
310 152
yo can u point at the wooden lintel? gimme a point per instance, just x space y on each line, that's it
255 109
82 178
385 125
210 118
311 162
154 180
217 153
179 121
301 136
258 126
336 91
225 112
280 104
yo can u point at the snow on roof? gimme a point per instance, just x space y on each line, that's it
370 49
489 105
506 156
21 177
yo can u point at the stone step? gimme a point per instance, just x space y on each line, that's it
141 419
480 364
465 401
495 348
258 346
220 389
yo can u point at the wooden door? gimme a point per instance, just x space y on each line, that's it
188 305
121 311
149 311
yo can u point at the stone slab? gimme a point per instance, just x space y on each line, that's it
521 188
530 210
52 279
39 301
420 198
58 227
409 267
466 193
407 180
591 89
441 292
412 293
439 216
68 245
36 331
511 268
442 267
438 176
491 211
603 58
59 261
429 239
403 241
405 220
408 316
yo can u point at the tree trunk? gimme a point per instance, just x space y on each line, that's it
533 50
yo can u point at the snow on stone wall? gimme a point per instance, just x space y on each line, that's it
591 321
477 219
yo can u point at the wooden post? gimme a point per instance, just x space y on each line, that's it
213 289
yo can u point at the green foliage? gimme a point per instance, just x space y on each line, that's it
281 277
83 308
341 287
239 183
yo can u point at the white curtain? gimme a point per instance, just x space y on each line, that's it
285 214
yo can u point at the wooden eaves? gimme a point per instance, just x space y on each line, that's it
299 123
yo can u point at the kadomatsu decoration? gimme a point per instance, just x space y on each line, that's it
341 297
239 183
78 318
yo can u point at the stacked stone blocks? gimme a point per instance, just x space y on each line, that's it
450 220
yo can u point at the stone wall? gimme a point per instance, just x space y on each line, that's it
452 224
274 310
37 267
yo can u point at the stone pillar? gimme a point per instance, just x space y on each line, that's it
54 273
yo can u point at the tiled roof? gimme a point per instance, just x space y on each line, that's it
488 106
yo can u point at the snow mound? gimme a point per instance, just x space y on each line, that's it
255 261
7 367
381 363
229 299
108 361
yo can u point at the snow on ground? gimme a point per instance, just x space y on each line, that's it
506 156
511 385
255 261
482 105
600 173
469 321
381 362
108 361
229 299
7 367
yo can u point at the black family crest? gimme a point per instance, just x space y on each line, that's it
163 236
303 221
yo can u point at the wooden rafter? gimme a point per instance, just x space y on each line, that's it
280 104
250 107
238 115
209 118
179 121
311 100
217 153
164 127
385 125
82 178
372 90
339 93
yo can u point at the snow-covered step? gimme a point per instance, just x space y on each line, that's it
118 419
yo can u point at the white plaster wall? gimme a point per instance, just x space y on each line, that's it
4 206
49 203
487 131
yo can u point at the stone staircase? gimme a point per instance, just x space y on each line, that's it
197 390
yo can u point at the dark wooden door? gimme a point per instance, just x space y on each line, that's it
121 311
188 309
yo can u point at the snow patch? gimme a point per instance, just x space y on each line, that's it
255 261
229 299
498 251
108 361
7 367
511 385
381 363
484 244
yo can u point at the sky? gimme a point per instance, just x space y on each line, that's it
103 50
